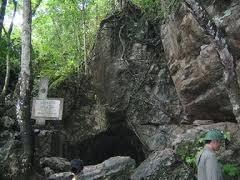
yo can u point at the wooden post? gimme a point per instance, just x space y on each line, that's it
42 94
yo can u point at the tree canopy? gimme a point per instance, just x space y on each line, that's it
63 33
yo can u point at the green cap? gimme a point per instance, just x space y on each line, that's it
214 135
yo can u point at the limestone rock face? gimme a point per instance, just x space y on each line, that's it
158 85
226 17
131 75
195 68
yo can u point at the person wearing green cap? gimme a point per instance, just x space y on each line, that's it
208 167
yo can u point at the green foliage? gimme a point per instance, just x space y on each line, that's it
151 7
3 45
15 48
227 136
160 9
189 150
10 43
60 29
231 169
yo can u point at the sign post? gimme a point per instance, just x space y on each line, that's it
42 94
44 108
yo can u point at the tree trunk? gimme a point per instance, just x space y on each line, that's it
2 15
23 105
78 48
113 6
7 76
97 17
8 34
122 4
84 38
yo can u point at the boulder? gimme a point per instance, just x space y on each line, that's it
162 165
195 67
115 168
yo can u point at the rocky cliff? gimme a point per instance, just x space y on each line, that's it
163 75
153 88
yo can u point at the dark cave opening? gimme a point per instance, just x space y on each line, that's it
118 140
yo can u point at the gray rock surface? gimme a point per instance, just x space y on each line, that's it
115 168
48 143
83 116
162 165
10 155
135 82
195 68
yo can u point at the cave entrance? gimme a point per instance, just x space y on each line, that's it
119 140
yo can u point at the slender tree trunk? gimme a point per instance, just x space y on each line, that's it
23 105
7 76
113 5
78 47
84 47
97 17
84 38
2 15
122 4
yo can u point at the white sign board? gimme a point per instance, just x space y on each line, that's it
50 108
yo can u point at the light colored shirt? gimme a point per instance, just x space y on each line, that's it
208 166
